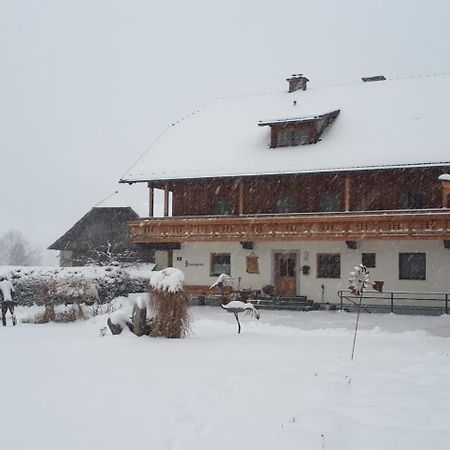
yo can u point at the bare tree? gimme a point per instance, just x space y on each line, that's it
16 250
112 254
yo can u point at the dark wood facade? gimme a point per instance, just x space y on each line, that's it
353 191
379 204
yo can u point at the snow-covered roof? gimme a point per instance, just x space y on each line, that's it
444 177
385 124
294 120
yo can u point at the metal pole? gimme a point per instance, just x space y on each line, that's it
357 322
392 302
446 303
342 301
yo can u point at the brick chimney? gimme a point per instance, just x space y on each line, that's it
297 82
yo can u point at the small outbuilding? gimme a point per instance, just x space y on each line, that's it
102 236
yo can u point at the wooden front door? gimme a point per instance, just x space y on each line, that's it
285 266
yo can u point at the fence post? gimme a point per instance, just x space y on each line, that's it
342 303
392 302
446 303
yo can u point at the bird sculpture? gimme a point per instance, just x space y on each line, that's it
222 282
236 307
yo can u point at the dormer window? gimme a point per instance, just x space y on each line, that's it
298 131
301 137
292 137
284 138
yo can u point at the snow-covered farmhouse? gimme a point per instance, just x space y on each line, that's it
292 189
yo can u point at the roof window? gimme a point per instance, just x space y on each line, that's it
298 131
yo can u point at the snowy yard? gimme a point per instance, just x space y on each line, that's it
285 383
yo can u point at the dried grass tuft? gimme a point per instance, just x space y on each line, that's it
73 314
54 291
49 315
171 318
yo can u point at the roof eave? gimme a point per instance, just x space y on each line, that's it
289 172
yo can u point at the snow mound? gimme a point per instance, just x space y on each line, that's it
119 318
169 279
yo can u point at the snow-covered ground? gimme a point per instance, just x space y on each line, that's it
286 382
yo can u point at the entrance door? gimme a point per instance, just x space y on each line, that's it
285 266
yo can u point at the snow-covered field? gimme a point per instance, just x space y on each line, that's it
286 382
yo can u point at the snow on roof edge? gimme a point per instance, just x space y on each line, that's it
256 174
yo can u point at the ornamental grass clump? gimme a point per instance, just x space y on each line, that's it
169 304
69 291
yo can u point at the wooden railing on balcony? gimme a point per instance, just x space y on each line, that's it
418 224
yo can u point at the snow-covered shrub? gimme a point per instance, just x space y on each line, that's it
117 282
109 282
27 290
73 290
68 290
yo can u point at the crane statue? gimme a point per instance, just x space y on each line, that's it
223 281
236 307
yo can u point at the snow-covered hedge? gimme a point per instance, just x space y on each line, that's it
76 282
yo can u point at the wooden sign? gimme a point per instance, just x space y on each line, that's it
252 263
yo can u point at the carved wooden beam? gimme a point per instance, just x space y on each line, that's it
353 227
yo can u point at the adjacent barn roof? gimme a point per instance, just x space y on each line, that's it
387 124
96 227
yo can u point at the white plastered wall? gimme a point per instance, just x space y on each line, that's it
194 260
161 259
66 258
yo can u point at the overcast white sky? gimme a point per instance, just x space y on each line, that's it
86 86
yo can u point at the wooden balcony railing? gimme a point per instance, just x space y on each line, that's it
423 224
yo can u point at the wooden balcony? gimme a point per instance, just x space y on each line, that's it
412 224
